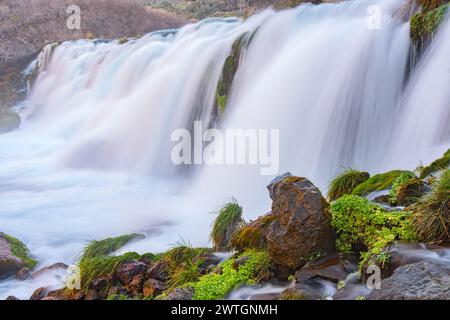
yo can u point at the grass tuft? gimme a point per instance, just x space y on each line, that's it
345 182
437 165
431 215
230 216
382 181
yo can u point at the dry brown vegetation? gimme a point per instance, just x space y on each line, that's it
27 25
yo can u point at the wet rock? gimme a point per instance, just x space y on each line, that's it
334 267
313 289
23 274
383 199
266 296
159 271
11 298
38 294
128 270
352 291
101 284
116 291
63 294
49 298
9 120
185 293
417 281
302 225
53 267
153 287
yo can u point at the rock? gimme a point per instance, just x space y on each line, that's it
116 290
38 294
302 225
153 287
128 270
209 262
9 263
410 192
402 253
11 298
352 292
23 274
159 271
55 266
49 298
101 283
309 290
63 294
91 294
334 267
134 288
253 235
265 296
9 120
185 293
417 281
383 199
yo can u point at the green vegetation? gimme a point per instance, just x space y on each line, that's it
117 297
215 286
184 263
423 25
437 165
382 181
229 216
292 295
19 250
398 184
368 228
431 215
96 262
345 182
123 40
221 102
252 236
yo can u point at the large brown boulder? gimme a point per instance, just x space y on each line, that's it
302 225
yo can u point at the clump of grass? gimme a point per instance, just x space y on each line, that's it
400 181
96 262
228 220
106 246
19 250
215 286
345 182
437 165
362 226
424 24
382 181
431 215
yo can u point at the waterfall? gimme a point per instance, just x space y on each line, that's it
93 155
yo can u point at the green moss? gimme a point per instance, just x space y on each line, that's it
437 165
368 228
117 297
230 215
123 40
398 183
292 295
382 181
216 286
423 25
19 250
345 182
247 238
431 215
221 102
96 262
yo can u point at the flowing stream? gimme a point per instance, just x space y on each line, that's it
92 158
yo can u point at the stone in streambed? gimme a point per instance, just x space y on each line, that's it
302 224
13 256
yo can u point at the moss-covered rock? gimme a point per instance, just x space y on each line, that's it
437 165
14 255
382 181
253 235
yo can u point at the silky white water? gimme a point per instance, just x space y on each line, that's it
92 156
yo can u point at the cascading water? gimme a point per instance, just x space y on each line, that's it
92 157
